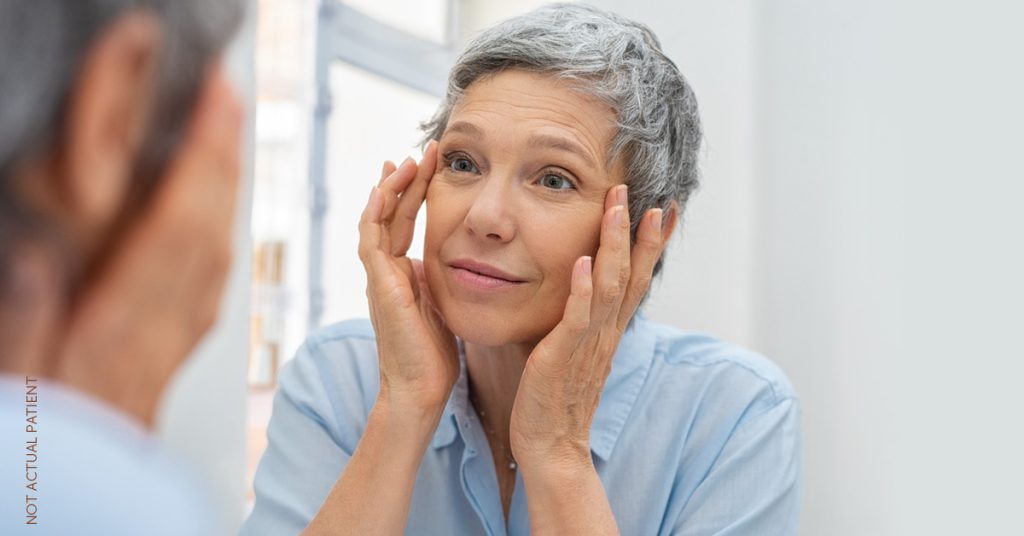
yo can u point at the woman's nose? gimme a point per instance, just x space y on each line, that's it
489 217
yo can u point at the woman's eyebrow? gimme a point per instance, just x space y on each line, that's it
547 141
561 144
468 129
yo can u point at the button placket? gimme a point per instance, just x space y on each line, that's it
478 482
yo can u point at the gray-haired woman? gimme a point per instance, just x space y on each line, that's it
505 385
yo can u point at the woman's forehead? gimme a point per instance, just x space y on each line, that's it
540 111
526 94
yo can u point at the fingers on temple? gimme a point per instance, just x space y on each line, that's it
404 221
643 257
612 266
370 229
373 244
394 185
400 187
389 168
572 330
576 317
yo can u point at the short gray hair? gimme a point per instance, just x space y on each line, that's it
42 46
614 59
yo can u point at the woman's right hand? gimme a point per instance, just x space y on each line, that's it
419 361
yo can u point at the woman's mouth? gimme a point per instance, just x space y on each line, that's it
477 275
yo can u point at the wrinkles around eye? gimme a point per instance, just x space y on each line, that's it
458 162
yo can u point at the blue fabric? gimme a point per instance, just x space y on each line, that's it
96 471
692 436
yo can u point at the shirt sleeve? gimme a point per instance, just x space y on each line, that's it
753 487
306 450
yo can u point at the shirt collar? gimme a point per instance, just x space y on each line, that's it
630 367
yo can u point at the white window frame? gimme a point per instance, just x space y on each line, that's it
347 35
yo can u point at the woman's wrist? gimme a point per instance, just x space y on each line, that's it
555 464
406 415
373 493
566 496
568 456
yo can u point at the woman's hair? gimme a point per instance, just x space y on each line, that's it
614 59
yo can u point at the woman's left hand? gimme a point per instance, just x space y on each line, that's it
563 378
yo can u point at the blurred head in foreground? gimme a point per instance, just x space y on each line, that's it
118 167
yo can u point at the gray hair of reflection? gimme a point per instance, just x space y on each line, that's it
614 59
42 45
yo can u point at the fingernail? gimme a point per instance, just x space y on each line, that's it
586 264
656 218
620 196
408 160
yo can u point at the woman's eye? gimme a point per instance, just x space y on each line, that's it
556 182
461 164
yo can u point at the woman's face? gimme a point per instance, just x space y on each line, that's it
517 197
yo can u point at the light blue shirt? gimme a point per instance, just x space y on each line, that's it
89 470
692 436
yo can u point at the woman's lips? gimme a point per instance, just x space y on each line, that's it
480 276
474 280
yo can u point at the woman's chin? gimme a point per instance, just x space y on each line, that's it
479 331
488 329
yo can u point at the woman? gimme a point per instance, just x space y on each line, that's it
506 384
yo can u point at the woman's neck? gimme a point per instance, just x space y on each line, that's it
494 373
34 339
31 303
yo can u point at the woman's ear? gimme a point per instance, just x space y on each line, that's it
107 116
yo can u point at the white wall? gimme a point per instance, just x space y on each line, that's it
203 415
859 224
889 253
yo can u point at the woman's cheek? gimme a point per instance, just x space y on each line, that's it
442 210
441 187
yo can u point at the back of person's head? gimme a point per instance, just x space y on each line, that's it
118 166
43 46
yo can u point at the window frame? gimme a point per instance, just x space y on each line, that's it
345 34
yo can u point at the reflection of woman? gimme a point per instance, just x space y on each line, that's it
504 385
